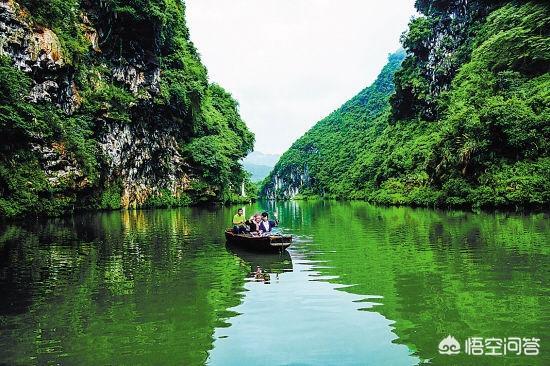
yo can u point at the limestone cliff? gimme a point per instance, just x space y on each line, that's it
467 123
439 42
111 108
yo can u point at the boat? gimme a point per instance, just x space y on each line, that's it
271 243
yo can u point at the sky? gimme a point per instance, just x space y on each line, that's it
289 63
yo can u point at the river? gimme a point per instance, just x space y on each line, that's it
361 285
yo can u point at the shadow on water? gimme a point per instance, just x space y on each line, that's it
269 262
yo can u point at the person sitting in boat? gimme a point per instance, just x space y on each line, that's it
254 224
267 225
239 222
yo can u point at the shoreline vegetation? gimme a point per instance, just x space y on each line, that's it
465 208
107 106
460 119
251 201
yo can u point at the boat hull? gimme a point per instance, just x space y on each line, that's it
273 243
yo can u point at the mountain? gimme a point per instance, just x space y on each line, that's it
318 161
461 121
258 172
260 158
259 164
106 104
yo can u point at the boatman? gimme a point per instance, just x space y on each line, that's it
238 222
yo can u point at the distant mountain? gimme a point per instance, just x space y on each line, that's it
259 164
259 158
259 172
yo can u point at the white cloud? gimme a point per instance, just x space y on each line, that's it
290 63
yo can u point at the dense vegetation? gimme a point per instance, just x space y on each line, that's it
150 35
471 130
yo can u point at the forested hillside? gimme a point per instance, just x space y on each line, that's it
467 123
106 104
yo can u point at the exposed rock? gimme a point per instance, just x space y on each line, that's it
288 183
138 76
47 49
90 32
123 135
147 160
37 49
60 167
447 45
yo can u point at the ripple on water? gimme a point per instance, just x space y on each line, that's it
360 284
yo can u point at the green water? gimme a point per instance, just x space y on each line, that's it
361 285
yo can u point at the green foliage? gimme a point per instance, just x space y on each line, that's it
417 37
499 115
165 199
326 152
214 137
438 44
515 38
145 34
222 140
101 98
110 198
487 148
252 189
24 186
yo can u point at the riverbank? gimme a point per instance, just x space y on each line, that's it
154 202
401 201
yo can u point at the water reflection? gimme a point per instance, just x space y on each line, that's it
437 273
361 285
116 288
301 319
270 262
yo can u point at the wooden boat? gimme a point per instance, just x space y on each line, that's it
271 243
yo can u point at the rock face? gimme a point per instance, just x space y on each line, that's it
118 94
439 42
288 182
37 50
147 160
450 31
